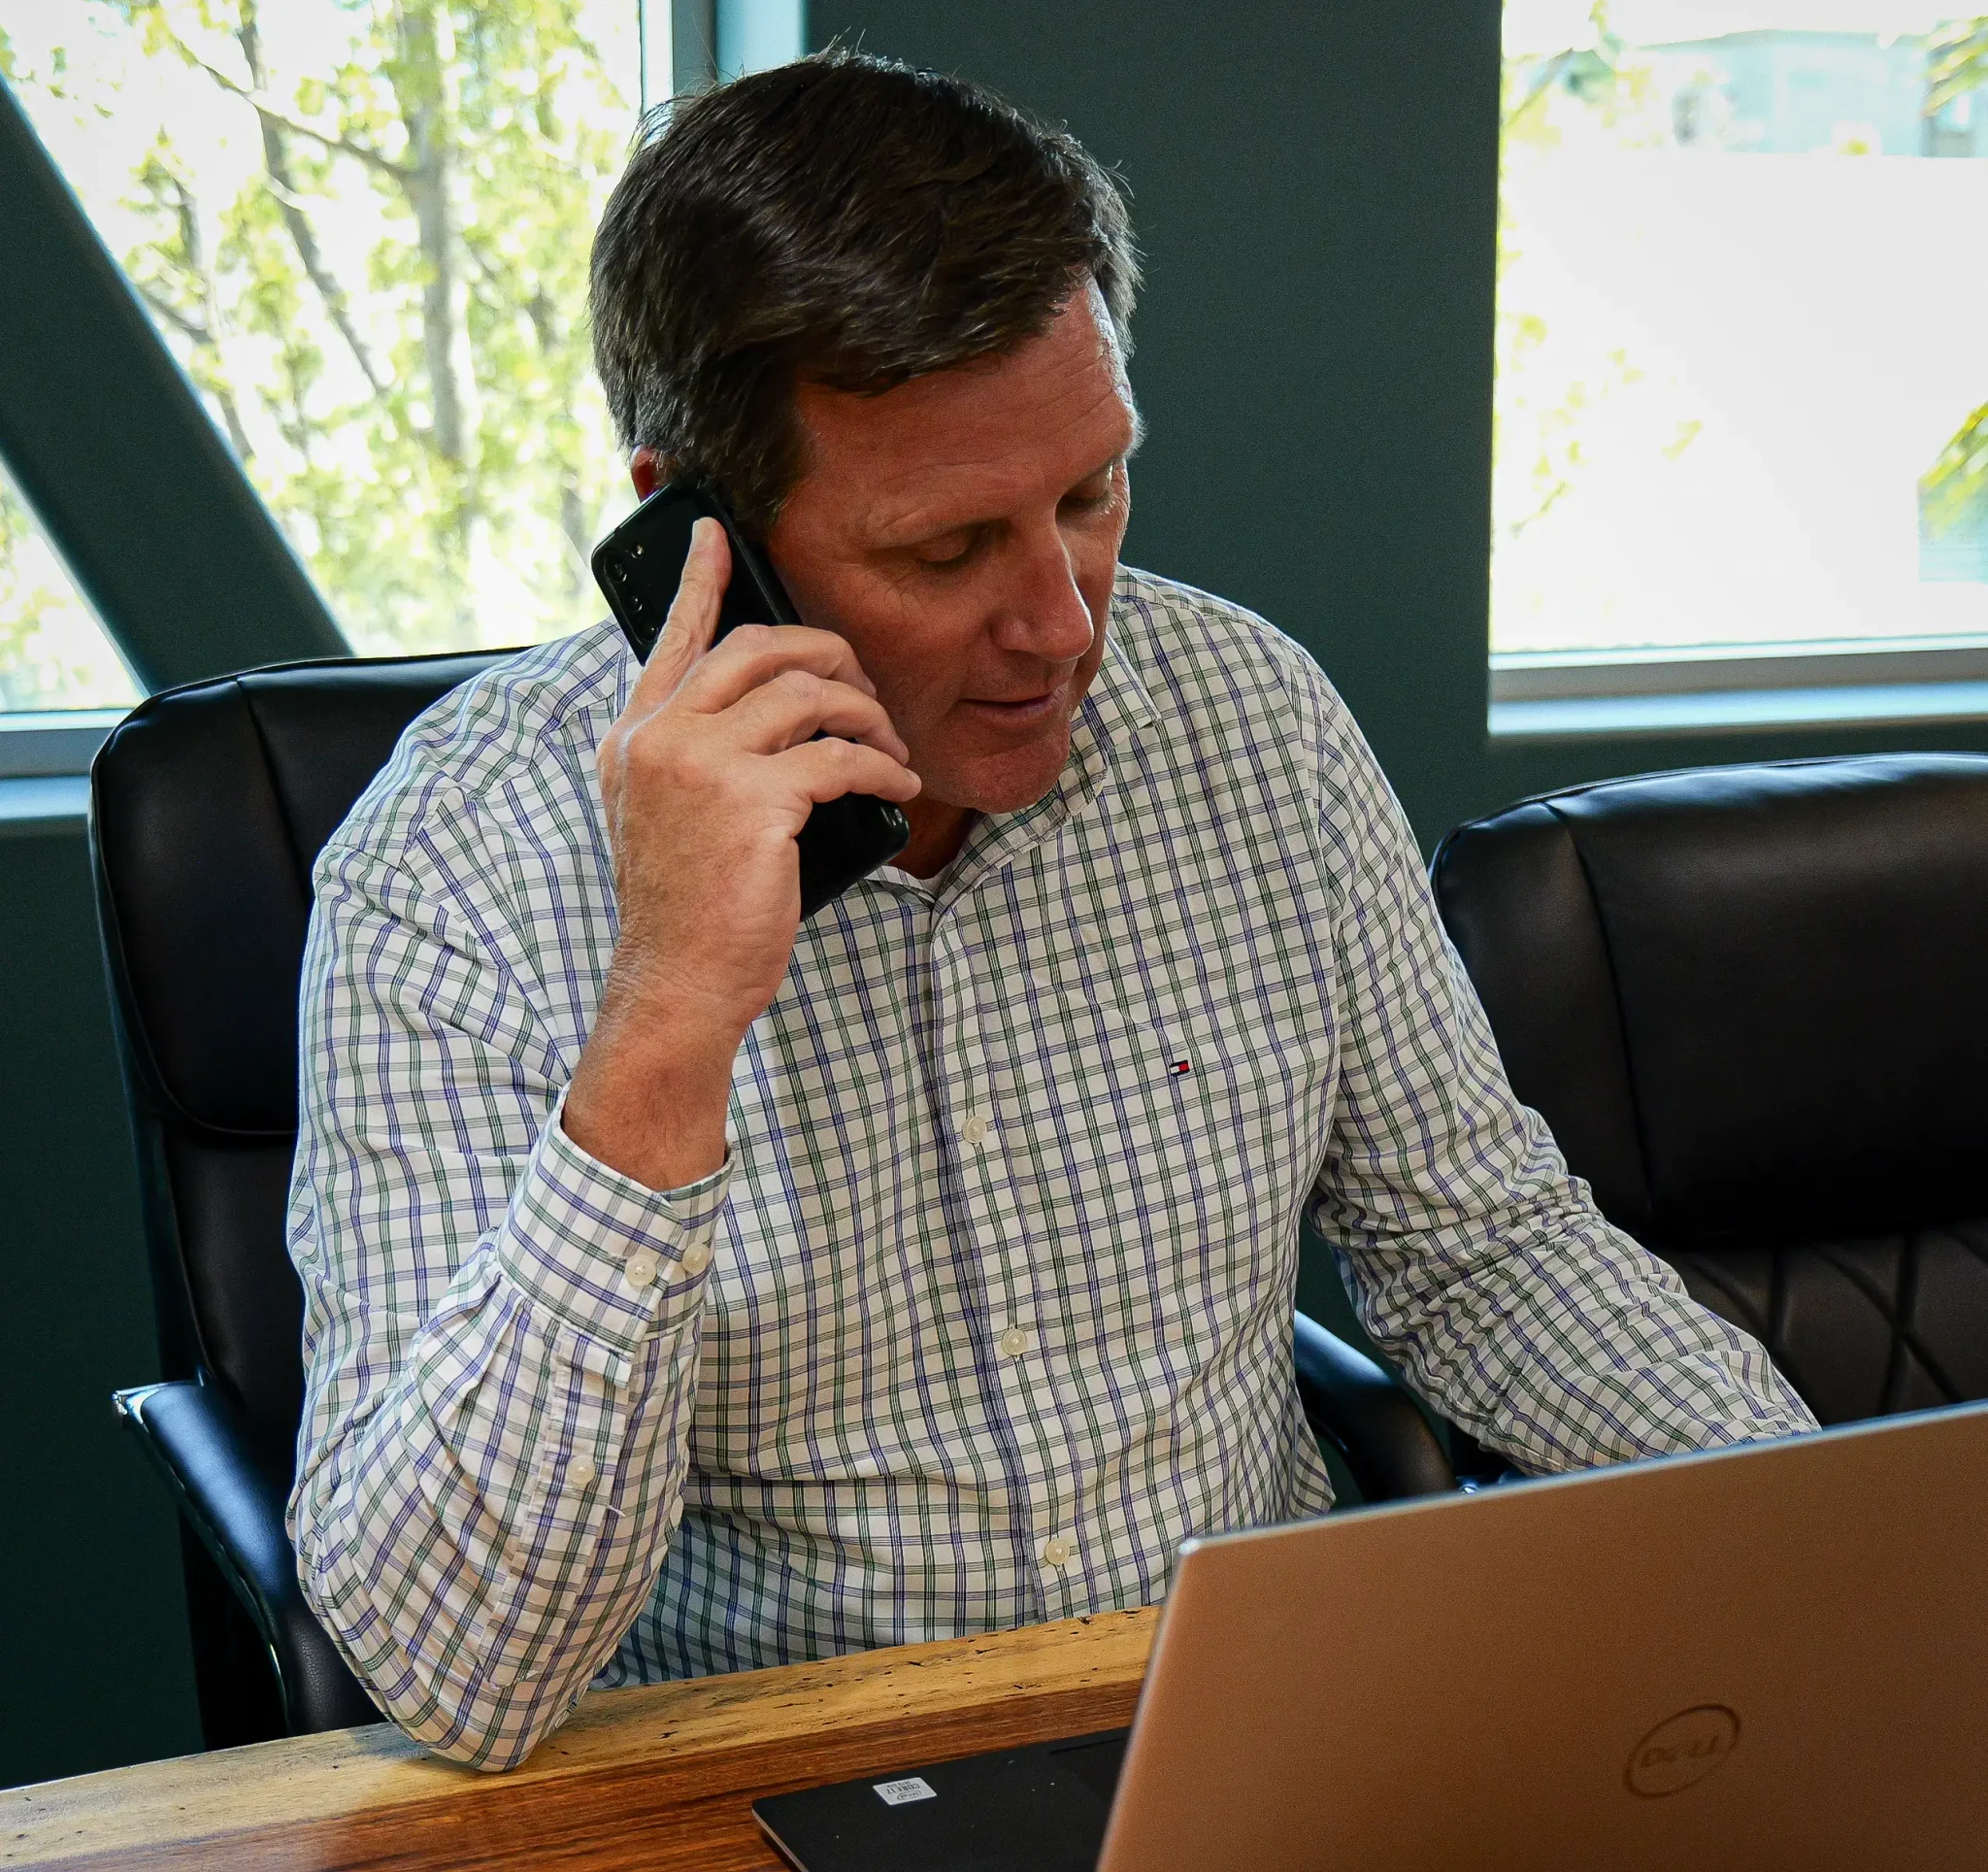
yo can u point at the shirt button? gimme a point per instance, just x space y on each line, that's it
1057 1550
1014 1341
580 1472
696 1258
641 1268
975 1130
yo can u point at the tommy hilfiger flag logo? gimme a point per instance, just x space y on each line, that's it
1180 1066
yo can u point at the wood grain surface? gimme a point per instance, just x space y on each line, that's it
661 1778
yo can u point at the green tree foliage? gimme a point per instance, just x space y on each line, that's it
1540 412
51 653
1953 493
386 316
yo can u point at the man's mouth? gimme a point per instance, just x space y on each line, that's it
1021 711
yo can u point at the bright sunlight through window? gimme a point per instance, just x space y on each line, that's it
1743 326
362 227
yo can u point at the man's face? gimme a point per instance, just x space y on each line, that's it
962 532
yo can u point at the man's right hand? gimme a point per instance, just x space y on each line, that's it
707 776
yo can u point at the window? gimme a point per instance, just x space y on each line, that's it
54 654
1742 405
362 227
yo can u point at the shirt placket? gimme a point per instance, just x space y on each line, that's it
982 1129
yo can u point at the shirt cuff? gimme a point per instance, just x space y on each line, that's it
612 1257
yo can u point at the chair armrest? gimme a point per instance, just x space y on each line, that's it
1379 1430
234 1501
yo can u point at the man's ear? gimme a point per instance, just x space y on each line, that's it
648 469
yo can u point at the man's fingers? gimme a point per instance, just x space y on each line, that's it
828 769
693 618
797 705
754 655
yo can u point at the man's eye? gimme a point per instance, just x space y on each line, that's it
938 560
1089 500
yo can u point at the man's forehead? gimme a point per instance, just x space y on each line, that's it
960 445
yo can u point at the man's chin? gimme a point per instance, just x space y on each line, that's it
1007 782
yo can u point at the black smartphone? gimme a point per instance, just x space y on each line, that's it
638 567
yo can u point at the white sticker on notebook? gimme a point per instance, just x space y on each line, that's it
896 1793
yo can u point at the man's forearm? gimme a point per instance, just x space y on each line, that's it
479 1534
1564 1344
1481 1266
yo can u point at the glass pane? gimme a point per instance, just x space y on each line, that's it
54 654
1742 356
362 227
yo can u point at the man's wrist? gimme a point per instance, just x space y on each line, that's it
651 1102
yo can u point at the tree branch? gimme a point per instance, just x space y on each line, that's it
187 327
303 237
270 111
336 307
200 335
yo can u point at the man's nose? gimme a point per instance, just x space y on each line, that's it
1045 614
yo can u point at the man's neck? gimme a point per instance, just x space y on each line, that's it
938 831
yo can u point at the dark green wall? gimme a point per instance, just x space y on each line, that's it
1315 189
95 1668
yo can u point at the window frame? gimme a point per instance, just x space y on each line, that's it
1588 692
53 413
41 744
1539 694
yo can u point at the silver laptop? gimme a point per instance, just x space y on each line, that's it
1769 1657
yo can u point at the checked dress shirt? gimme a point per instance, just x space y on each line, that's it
990 1305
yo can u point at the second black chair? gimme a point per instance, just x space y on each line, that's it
1752 1003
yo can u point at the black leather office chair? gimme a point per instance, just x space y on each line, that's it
207 807
1752 1003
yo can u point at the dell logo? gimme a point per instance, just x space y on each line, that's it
1682 1749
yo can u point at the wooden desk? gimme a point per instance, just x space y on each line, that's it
659 1778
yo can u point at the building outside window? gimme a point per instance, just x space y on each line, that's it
1741 403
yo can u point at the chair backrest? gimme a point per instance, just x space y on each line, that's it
208 806
1752 1003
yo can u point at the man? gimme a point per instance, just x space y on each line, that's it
690 1288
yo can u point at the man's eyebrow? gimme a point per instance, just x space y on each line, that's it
914 528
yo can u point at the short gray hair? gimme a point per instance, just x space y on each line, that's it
845 220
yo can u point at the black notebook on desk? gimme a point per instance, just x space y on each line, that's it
1041 1809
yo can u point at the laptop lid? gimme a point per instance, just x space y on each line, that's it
1774 1656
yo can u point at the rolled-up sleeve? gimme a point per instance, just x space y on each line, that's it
500 1335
